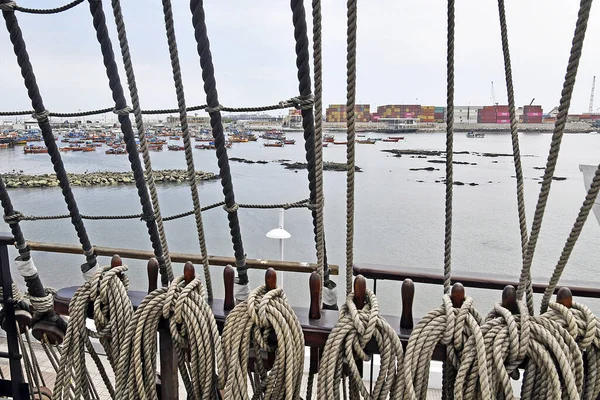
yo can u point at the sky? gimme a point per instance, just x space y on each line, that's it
401 53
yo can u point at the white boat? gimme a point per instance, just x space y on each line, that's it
588 175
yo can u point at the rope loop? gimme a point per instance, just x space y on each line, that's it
41 116
14 218
148 217
212 110
44 304
9 6
303 102
123 111
231 209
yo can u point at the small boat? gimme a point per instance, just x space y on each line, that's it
175 147
3 145
204 138
360 135
174 137
328 138
336 142
238 139
391 140
35 149
471 134
289 141
273 134
366 141
396 137
155 147
118 150
325 144
276 144
211 146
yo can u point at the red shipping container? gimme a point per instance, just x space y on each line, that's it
534 114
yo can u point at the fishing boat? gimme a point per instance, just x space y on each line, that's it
174 137
155 147
391 140
325 144
328 138
3 145
276 144
366 141
237 139
340 142
117 150
396 137
478 135
31 149
273 134
175 147
204 138
289 141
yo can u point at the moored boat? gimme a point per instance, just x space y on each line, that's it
276 144
289 141
366 141
478 135
35 149
175 147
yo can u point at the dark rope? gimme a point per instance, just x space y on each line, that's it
295 102
308 119
212 98
12 5
15 228
40 113
112 73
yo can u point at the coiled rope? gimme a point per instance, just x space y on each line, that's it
194 333
346 343
112 311
451 325
263 323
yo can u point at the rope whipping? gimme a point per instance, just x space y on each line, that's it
20 50
351 134
312 143
135 101
588 204
187 141
559 128
514 134
449 148
322 266
112 312
212 99
452 327
346 343
263 323
193 331
122 111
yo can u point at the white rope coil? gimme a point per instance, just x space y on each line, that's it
247 331
194 333
346 343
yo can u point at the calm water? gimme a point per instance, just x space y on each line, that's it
399 213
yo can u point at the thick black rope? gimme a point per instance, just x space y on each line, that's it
308 118
112 73
11 5
212 98
20 50
15 228
294 102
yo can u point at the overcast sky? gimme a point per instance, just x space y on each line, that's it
401 53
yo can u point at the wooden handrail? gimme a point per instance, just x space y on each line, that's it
482 280
220 261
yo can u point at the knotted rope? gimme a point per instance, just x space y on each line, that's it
452 327
249 329
194 333
112 311
346 343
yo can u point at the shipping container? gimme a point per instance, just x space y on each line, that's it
503 121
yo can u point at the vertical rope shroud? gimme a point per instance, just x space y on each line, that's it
41 114
449 148
351 134
212 99
189 158
137 111
122 111
559 128
515 139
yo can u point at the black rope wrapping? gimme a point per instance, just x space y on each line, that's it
40 112
112 73
212 98
295 102
308 118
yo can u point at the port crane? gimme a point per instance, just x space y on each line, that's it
591 108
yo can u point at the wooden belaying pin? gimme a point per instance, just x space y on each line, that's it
457 295
565 297
509 299
270 279
408 295
314 284
116 261
228 281
189 272
152 274
360 291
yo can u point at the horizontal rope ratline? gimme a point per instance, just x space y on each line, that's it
18 217
298 102
12 6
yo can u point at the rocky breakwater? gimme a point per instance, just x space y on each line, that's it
101 178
